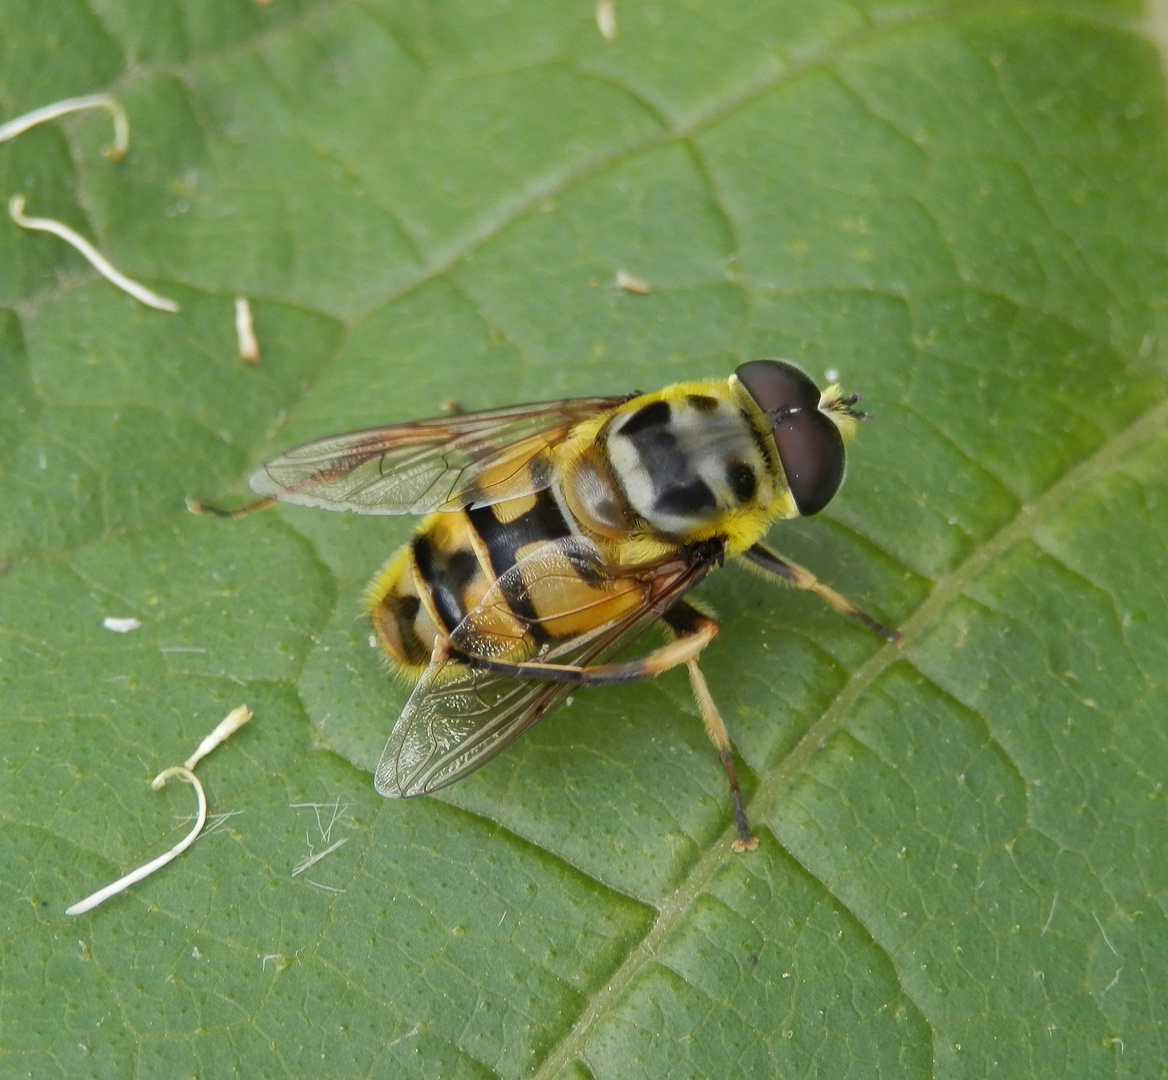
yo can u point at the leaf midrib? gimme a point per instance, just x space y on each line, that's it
774 781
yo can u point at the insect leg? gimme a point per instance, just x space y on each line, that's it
698 634
793 573
196 507
694 631
685 620
717 731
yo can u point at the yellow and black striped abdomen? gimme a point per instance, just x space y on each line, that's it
430 585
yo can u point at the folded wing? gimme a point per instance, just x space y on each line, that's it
459 716
417 468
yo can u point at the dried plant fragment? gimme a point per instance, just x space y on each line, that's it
115 152
123 883
98 261
226 727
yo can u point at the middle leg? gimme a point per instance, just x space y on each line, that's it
774 564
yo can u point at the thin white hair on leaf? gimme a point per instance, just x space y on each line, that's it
218 821
337 812
312 860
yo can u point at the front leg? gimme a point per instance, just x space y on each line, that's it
794 574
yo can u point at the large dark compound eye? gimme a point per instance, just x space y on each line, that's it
811 447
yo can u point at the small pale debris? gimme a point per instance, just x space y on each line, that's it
121 626
632 283
249 347
226 727
606 19
832 375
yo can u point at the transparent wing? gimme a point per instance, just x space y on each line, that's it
416 468
459 717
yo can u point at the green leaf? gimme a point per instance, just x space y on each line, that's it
962 208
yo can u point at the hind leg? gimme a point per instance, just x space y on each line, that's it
694 631
198 508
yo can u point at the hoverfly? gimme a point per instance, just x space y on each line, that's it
557 533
